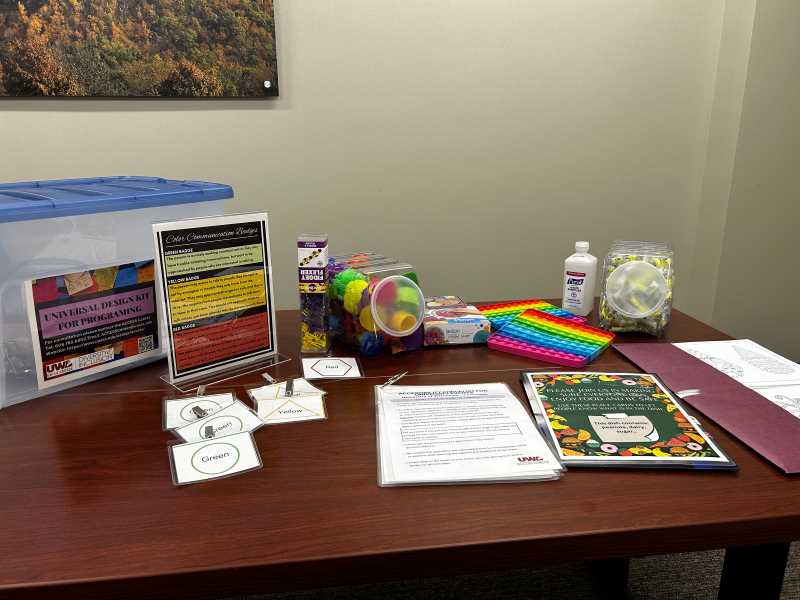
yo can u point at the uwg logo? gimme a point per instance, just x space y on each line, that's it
58 368
529 459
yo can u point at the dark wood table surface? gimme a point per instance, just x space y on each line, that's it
88 508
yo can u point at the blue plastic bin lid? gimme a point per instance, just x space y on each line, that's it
66 197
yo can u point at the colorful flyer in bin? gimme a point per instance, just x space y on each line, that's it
216 278
92 321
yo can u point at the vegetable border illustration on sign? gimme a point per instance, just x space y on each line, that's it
612 417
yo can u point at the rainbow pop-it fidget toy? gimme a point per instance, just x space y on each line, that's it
501 313
546 337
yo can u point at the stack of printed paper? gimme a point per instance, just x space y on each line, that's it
458 434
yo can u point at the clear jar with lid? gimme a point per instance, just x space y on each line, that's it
637 287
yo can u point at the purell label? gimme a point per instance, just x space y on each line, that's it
573 288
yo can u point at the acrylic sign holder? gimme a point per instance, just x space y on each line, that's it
187 386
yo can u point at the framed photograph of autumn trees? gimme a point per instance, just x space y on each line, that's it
138 48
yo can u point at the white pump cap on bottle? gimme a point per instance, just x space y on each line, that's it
582 247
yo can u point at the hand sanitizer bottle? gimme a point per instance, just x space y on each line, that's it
580 271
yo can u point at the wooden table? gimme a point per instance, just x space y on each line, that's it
88 509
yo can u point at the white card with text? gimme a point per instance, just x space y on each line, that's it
212 459
295 408
182 411
331 367
235 418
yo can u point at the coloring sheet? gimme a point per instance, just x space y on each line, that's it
785 396
745 361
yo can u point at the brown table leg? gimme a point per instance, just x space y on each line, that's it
612 577
754 572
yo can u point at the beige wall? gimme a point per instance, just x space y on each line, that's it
476 140
759 286
728 84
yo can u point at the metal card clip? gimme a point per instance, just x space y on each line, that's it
394 378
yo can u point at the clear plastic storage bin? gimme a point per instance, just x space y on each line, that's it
85 229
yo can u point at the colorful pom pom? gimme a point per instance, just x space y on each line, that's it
408 295
352 295
386 294
366 320
342 279
365 298
371 344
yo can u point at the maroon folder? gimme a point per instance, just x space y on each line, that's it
767 428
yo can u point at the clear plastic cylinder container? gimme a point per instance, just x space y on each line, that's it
376 305
638 281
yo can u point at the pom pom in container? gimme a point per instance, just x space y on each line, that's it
637 287
397 306
352 295
371 343
376 303
343 279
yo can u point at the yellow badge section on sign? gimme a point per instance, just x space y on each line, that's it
205 298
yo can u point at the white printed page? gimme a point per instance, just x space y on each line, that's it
745 361
459 433
785 396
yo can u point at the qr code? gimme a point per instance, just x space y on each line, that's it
145 344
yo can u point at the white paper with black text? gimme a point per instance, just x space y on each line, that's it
458 434
745 361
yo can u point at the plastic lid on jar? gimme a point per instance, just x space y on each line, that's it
636 289
397 305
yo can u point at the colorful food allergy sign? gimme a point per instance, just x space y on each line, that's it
92 321
217 291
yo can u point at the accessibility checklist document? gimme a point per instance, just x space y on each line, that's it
458 434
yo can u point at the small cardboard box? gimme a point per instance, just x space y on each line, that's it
449 321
